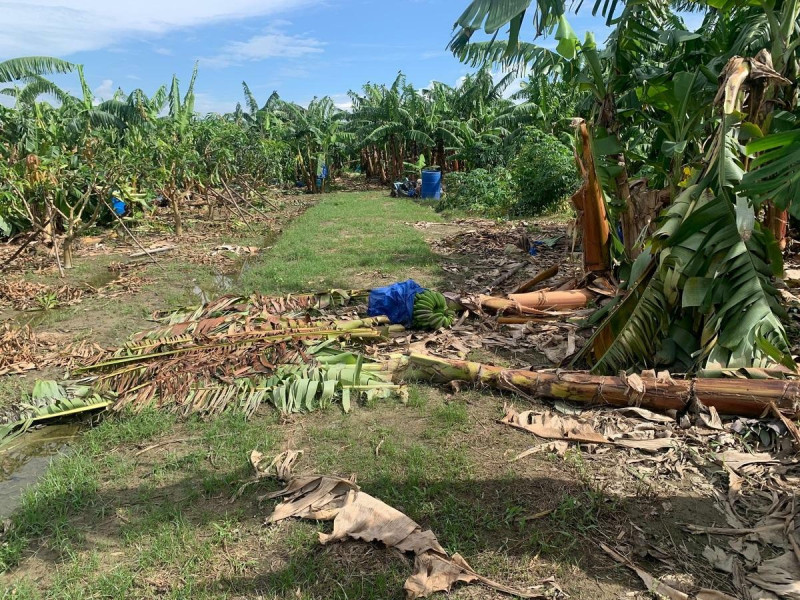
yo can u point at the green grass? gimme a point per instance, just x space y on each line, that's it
71 485
347 240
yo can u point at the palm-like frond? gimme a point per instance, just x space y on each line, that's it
18 68
775 171
35 86
713 276
252 104
48 401
234 354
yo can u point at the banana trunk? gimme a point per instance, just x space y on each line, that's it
744 397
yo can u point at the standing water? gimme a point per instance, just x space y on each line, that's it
26 459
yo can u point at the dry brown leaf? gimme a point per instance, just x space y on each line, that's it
735 460
779 575
718 558
711 420
655 586
554 427
281 465
358 515
560 448
643 413
748 550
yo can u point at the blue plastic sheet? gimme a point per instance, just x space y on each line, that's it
396 301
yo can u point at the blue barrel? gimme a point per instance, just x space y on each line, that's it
431 184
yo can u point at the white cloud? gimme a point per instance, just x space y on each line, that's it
342 101
105 90
163 51
269 44
206 103
64 27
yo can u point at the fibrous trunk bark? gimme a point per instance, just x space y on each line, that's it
630 232
176 214
743 397
592 209
534 302
66 251
778 223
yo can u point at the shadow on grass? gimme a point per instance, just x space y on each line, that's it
517 530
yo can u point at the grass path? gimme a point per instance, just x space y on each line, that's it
107 522
348 240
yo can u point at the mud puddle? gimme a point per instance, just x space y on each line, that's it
25 460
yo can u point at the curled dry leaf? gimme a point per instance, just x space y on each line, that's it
780 575
554 427
359 516
281 465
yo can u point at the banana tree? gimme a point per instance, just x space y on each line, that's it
19 68
177 156
702 296
317 136
714 263
386 118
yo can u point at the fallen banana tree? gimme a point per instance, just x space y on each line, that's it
215 364
744 397
257 305
229 355
532 303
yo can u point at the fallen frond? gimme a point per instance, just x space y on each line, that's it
357 515
256 304
233 354
48 401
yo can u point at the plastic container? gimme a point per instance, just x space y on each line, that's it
431 185
118 206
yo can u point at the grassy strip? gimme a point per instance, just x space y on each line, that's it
348 240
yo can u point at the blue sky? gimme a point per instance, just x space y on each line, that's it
301 48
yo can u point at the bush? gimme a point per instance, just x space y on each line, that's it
544 174
489 193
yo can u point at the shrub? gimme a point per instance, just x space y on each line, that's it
481 191
544 174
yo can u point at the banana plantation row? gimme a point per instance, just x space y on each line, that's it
687 141
65 157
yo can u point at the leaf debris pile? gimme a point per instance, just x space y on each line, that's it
235 353
753 492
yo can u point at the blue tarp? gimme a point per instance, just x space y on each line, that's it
396 301
118 206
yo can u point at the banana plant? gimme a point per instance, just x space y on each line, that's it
705 299
317 136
